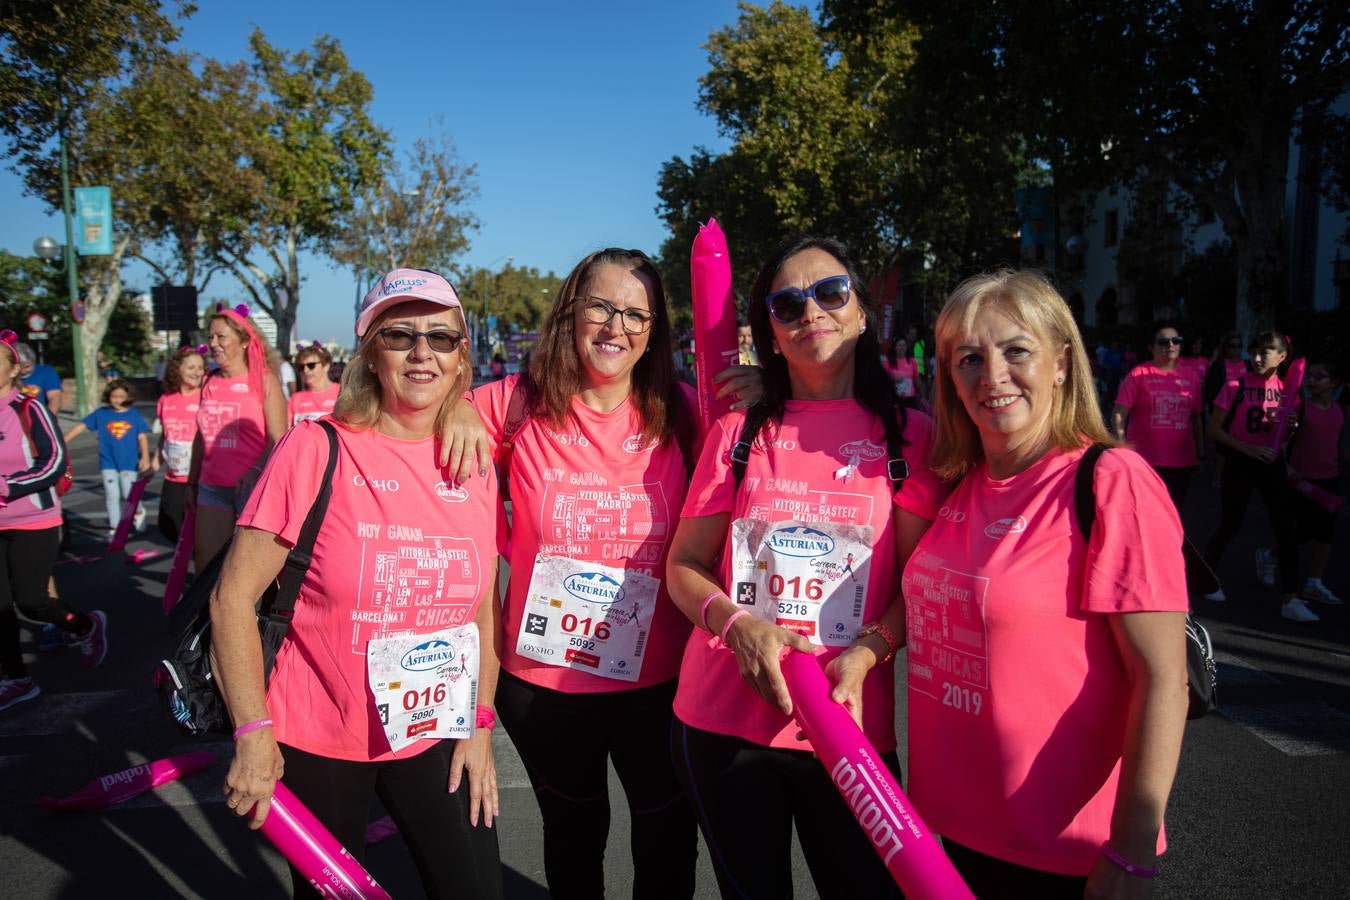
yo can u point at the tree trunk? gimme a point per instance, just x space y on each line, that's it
102 289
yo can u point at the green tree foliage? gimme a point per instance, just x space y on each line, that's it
315 151
519 296
29 285
416 215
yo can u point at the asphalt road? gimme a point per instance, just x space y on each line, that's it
1261 807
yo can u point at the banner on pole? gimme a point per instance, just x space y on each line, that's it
93 225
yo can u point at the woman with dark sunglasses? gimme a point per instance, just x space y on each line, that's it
368 696
801 550
317 393
1159 411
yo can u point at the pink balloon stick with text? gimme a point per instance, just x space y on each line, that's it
910 851
182 555
313 850
714 317
120 786
1293 384
119 538
1324 498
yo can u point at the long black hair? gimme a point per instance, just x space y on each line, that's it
872 385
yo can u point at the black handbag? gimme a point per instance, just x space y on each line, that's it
184 681
1201 670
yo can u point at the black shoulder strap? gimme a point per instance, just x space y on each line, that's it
896 467
1200 578
515 417
278 613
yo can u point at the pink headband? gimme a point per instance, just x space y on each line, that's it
256 357
200 350
10 340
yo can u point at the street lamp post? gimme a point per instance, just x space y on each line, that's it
484 342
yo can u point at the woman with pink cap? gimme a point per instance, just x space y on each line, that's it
241 415
384 684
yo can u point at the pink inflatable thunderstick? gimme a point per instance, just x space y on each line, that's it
714 317
313 850
182 555
1293 385
120 786
910 851
119 538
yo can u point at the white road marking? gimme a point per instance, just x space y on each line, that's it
1294 727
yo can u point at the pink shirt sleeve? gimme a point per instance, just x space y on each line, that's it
1129 390
1224 401
712 488
1134 560
921 493
289 483
491 401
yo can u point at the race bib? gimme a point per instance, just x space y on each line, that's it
425 685
178 457
587 616
810 578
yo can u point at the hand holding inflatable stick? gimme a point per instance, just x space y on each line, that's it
313 850
1293 384
910 851
121 786
714 317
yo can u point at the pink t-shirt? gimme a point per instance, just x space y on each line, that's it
1017 694
233 429
304 405
1313 450
25 510
592 492
792 476
401 551
1258 400
1162 405
177 414
1197 364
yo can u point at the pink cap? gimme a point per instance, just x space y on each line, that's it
405 284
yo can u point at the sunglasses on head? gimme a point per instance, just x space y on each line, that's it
406 339
788 305
1170 342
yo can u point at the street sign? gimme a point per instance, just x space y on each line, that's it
77 312
37 323
38 335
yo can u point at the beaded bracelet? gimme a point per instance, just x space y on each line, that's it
877 628
1125 865
726 626
703 611
251 726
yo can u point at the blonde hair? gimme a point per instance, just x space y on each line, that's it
269 352
1030 300
361 396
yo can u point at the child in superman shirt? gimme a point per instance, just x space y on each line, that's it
123 447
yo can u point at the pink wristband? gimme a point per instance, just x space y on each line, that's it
1125 865
251 726
726 626
486 717
703 612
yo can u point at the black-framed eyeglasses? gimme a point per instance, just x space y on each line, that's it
1170 342
405 339
786 306
311 365
600 312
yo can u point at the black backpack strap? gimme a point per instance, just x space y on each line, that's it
277 615
755 417
896 467
1084 490
516 415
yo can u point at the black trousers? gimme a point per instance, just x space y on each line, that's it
749 797
454 858
26 560
172 507
565 741
1177 479
993 879
1241 476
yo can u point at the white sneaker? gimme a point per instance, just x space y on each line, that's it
1295 610
1217 597
138 520
1320 594
1267 567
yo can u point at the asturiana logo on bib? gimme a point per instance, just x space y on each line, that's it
1004 527
431 655
593 587
451 493
800 541
863 449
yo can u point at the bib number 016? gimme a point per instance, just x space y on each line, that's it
571 624
424 697
788 592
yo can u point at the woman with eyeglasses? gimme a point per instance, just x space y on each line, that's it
797 522
402 554
317 392
1159 411
242 413
176 425
595 442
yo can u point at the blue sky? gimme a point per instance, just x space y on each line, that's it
568 110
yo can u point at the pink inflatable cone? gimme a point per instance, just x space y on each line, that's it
121 786
714 317
313 850
182 555
119 538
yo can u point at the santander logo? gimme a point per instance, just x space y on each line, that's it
863 449
451 493
1004 527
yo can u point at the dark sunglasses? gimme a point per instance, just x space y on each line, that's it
406 339
316 364
786 306
1170 342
